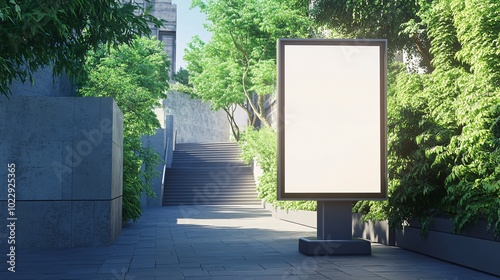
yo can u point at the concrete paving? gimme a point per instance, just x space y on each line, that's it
222 242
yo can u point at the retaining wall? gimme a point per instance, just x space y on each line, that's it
68 158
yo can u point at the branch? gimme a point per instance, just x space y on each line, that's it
238 47
424 52
256 110
234 126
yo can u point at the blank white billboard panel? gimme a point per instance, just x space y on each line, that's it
332 129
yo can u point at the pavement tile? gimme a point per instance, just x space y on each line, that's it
218 243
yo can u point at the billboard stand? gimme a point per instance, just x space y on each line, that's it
332 133
334 232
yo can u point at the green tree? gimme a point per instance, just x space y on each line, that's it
262 146
397 21
136 76
59 33
182 76
444 139
238 65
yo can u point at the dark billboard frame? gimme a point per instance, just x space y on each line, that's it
348 50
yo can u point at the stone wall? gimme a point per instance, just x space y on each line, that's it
67 153
161 143
271 110
44 85
194 121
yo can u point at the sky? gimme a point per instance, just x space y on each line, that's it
189 23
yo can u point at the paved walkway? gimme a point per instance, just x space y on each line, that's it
215 242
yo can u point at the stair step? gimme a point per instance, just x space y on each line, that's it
209 174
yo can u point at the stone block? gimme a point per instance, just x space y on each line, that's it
156 142
117 124
43 224
92 175
82 223
34 173
64 173
69 165
37 183
116 214
87 123
103 231
34 118
116 171
45 84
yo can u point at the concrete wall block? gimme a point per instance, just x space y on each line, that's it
64 171
156 142
82 223
117 121
116 217
102 226
43 224
5 120
63 151
45 84
92 176
87 120
34 183
34 171
116 171
34 118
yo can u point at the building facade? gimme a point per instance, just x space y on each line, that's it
165 10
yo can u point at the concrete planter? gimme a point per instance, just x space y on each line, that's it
374 231
305 218
474 248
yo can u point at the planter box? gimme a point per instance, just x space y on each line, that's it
473 248
374 231
301 217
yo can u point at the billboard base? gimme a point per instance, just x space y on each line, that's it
334 237
311 246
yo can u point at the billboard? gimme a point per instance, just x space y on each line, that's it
332 111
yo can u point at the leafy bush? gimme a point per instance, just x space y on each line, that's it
136 76
444 127
261 146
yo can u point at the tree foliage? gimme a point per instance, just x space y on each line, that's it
261 146
182 76
136 76
59 33
240 59
444 127
397 21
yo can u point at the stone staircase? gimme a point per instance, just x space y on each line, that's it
209 174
